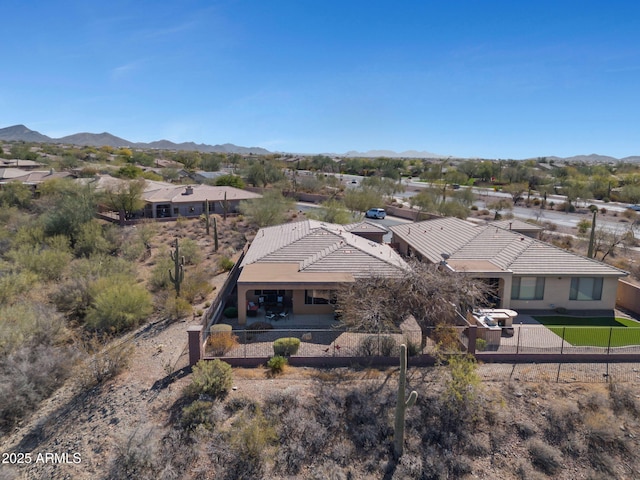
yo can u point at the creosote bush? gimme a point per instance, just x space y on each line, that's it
210 377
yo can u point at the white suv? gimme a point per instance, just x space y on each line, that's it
376 213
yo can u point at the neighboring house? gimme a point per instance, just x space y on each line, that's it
368 230
23 164
189 201
518 226
525 273
298 266
203 177
32 178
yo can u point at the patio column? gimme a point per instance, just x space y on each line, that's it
195 343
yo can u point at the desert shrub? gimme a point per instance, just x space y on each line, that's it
175 308
481 344
191 251
118 305
14 286
374 345
210 377
603 434
583 226
230 312
48 263
136 456
28 375
225 263
329 471
525 430
159 278
102 362
195 285
286 346
276 364
563 418
409 467
201 413
220 342
544 457
91 240
250 437
623 399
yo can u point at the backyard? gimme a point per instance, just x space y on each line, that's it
594 331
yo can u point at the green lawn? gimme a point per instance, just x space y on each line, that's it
593 331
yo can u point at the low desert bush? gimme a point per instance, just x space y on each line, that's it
201 414
210 377
176 308
221 340
623 399
276 364
375 345
544 457
286 346
225 264
103 363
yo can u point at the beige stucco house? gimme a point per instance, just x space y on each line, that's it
298 266
167 200
526 273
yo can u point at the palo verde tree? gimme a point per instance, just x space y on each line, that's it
432 294
126 197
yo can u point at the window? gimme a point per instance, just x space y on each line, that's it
176 210
319 297
586 288
527 288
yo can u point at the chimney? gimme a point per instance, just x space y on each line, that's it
188 190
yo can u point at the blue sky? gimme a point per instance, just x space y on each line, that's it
491 79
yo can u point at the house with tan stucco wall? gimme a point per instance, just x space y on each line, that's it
525 273
298 266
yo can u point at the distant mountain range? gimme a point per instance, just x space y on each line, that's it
24 134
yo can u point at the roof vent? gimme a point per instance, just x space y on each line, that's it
188 190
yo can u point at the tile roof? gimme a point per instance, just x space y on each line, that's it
517 225
508 250
323 247
365 227
200 193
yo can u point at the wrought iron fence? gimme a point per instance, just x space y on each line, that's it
522 339
315 343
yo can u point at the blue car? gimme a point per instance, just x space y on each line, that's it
635 208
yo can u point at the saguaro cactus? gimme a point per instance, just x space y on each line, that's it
177 276
215 235
592 237
225 207
207 219
402 405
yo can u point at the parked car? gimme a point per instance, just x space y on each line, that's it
635 208
376 213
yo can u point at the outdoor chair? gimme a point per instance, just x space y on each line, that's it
270 316
284 314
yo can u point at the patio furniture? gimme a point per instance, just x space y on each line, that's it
284 314
270 315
